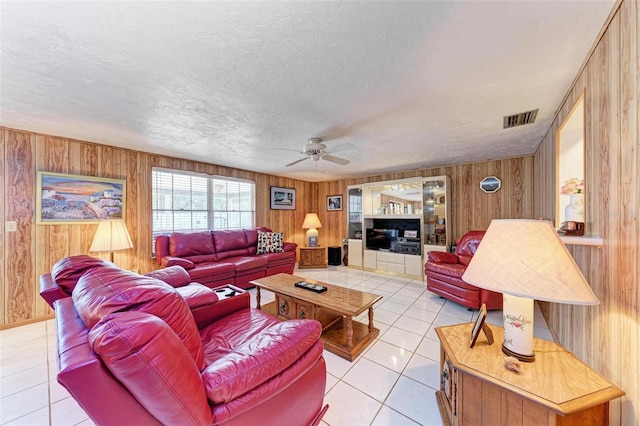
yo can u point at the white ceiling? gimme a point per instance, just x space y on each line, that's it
409 84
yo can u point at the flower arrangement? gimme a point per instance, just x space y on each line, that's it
572 186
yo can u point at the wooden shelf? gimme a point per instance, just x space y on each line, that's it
586 240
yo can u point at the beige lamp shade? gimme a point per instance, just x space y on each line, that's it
112 235
311 220
525 257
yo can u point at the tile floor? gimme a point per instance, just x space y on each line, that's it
391 383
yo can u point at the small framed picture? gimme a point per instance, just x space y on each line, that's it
480 325
334 202
313 241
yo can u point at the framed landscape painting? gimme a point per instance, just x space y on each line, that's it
283 198
63 198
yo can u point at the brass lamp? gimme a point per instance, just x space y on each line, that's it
112 235
525 260
311 224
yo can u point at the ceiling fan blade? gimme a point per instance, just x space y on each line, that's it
287 149
335 159
297 161
342 147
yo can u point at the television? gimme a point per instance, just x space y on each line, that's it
381 239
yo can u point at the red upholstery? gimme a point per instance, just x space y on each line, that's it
132 367
222 257
444 275
103 291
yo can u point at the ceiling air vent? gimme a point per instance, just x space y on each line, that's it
520 119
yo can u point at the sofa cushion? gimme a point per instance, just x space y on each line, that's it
212 270
252 238
260 358
191 243
251 263
142 351
66 272
274 259
102 291
230 240
269 242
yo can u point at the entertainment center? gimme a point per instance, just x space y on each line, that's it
393 224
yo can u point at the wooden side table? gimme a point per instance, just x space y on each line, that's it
312 257
556 389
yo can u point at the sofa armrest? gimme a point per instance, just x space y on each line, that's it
442 257
289 246
49 290
177 261
176 276
209 313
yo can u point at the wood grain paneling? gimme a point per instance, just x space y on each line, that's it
471 208
33 250
606 336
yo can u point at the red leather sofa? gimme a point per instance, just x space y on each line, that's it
135 350
444 275
214 258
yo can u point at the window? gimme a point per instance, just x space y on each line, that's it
184 201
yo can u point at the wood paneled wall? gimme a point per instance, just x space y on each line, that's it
471 208
33 249
606 336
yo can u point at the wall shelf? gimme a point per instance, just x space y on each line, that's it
587 240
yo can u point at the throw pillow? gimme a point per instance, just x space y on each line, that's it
269 242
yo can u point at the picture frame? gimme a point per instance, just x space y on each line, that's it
490 184
67 199
480 325
282 198
334 202
313 241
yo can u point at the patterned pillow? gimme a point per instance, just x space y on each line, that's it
269 242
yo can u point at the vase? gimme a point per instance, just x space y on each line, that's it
574 212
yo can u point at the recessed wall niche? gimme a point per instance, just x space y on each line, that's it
569 159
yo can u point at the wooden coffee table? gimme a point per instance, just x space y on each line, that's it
334 309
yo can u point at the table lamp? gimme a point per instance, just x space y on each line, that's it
311 223
112 235
524 259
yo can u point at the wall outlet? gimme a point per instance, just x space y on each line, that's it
11 226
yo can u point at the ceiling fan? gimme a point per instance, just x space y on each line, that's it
316 150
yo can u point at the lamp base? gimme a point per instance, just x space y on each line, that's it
523 358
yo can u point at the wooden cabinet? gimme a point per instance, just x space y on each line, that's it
557 389
290 308
312 257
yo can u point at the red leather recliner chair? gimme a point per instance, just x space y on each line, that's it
444 275
134 350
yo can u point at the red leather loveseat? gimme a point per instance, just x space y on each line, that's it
444 275
135 350
214 258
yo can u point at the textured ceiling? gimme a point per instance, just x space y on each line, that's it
409 84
